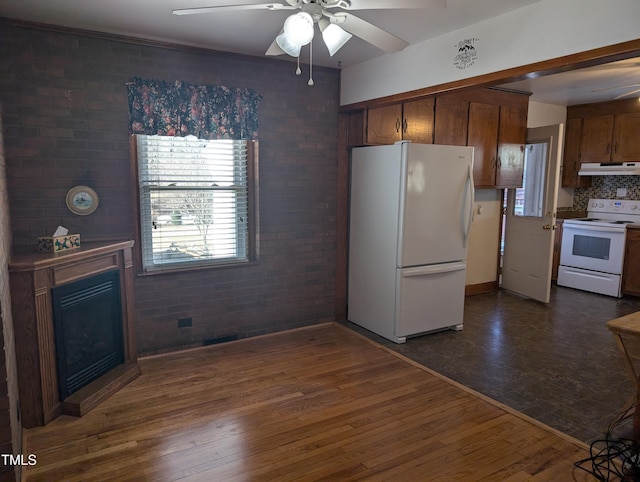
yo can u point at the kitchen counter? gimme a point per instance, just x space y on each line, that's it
570 214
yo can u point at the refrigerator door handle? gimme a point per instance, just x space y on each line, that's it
467 215
433 269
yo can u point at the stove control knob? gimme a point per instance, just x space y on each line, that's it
601 205
594 205
634 207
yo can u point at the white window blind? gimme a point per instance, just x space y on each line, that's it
193 201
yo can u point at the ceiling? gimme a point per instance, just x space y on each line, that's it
585 86
251 32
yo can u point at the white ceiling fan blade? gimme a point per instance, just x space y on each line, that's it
228 8
368 32
394 4
616 87
274 48
627 94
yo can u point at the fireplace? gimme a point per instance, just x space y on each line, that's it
74 330
87 320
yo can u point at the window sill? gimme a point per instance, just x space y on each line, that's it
203 267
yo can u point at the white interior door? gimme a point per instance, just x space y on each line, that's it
531 215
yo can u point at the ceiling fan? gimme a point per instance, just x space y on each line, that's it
336 27
627 70
625 94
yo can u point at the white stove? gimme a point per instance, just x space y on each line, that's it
607 212
592 250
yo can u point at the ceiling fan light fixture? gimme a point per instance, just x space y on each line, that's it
334 36
299 28
287 45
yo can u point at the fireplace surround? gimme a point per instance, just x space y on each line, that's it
100 271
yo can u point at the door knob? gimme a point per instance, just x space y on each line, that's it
549 227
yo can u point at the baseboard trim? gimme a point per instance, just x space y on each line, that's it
480 288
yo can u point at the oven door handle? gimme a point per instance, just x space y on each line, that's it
601 229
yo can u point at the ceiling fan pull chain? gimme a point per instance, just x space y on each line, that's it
310 63
298 71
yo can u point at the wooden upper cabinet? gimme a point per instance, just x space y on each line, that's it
600 132
484 120
451 121
597 134
417 123
511 143
611 138
494 122
498 134
355 136
571 160
411 121
384 124
626 138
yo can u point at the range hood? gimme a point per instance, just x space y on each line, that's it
609 169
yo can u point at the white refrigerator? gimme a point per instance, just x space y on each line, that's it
411 207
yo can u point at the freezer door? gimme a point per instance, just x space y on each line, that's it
429 298
436 204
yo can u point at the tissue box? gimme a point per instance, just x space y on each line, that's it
56 244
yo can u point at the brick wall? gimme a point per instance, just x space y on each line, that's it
10 429
66 113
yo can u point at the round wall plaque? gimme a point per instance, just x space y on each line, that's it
82 200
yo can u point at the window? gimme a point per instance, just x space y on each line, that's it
196 201
530 197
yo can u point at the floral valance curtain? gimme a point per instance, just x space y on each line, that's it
157 107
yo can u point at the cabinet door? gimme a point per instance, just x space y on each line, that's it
384 124
571 161
631 269
483 137
626 137
451 122
512 138
355 135
417 125
597 133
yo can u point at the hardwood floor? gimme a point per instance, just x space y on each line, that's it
319 403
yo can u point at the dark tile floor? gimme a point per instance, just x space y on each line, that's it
556 362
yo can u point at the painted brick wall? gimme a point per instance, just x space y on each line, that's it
66 115
10 428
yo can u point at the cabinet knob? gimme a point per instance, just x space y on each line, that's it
397 125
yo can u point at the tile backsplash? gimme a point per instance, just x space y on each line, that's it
605 187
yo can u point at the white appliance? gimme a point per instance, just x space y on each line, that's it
592 249
411 210
609 169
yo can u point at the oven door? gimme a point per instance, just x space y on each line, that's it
596 248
